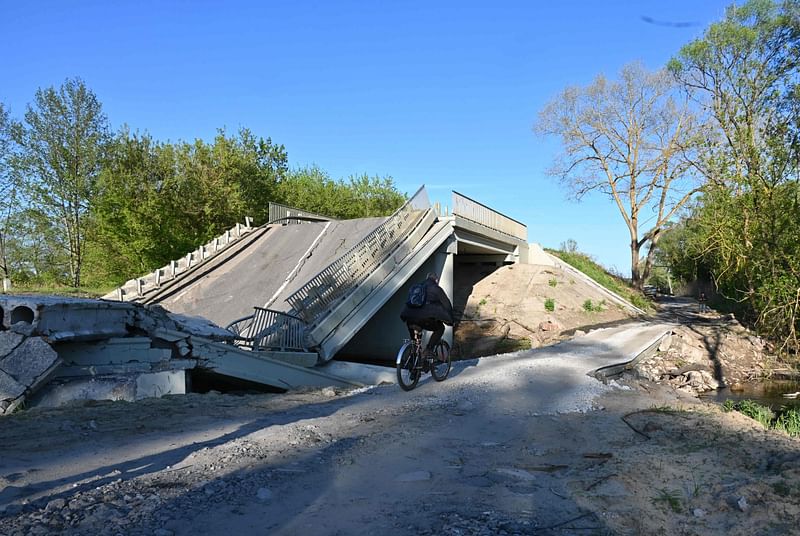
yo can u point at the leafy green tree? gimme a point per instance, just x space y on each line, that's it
62 141
8 193
632 140
360 196
743 72
157 201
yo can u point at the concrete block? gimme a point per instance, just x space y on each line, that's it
125 387
161 383
112 351
30 361
8 341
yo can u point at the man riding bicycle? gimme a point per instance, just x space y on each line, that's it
432 315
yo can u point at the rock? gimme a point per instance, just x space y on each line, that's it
163 532
549 325
699 512
264 494
329 392
742 504
665 343
579 333
55 504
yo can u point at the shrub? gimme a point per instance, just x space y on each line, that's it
553 282
550 305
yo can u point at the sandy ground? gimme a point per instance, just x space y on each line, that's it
488 451
508 444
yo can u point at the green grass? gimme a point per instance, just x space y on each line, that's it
590 307
505 346
786 420
615 284
61 290
550 305
670 498
552 282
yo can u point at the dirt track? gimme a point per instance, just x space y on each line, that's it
476 454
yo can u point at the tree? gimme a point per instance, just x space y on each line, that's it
743 72
62 143
630 140
8 193
361 196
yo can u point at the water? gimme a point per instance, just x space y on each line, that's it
768 393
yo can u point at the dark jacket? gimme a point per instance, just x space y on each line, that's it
437 306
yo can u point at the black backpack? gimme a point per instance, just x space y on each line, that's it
417 295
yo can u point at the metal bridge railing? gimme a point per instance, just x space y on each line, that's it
266 329
285 214
472 210
316 298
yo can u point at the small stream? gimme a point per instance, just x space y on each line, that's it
767 393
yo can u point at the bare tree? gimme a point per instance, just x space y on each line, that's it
629 140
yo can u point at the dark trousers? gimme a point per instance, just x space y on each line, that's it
436 327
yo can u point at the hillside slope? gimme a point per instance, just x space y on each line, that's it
505 309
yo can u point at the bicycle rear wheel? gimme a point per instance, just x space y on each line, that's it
407 371
441 362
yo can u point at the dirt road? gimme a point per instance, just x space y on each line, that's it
524 443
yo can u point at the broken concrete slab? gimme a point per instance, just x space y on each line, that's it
11 392
126 387
112 351
8 341
29 361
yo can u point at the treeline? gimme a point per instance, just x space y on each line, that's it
743 232
83 206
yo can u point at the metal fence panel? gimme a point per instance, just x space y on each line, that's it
341 277
479 213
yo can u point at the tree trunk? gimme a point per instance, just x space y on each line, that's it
636 276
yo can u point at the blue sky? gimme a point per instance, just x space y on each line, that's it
437 93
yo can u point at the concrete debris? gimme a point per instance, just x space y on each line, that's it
54 350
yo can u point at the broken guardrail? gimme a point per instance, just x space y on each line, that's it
316 298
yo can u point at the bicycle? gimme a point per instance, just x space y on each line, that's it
412 363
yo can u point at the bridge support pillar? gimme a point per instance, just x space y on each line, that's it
443 265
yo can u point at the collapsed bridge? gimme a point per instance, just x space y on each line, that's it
302 289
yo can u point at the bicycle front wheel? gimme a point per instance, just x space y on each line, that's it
407 371
441 361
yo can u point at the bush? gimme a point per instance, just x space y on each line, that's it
550 305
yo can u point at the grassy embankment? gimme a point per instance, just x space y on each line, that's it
613 283
62 290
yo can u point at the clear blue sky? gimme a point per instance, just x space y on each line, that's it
437 93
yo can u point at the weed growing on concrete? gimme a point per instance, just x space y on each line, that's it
553 282
550 305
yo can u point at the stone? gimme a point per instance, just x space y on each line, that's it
264 494
55 504
742 504
8 341
549 325
30 360
665 343
699 512
163 532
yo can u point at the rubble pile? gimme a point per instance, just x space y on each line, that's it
705 356
55 349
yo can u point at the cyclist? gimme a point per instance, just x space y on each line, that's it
433 315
